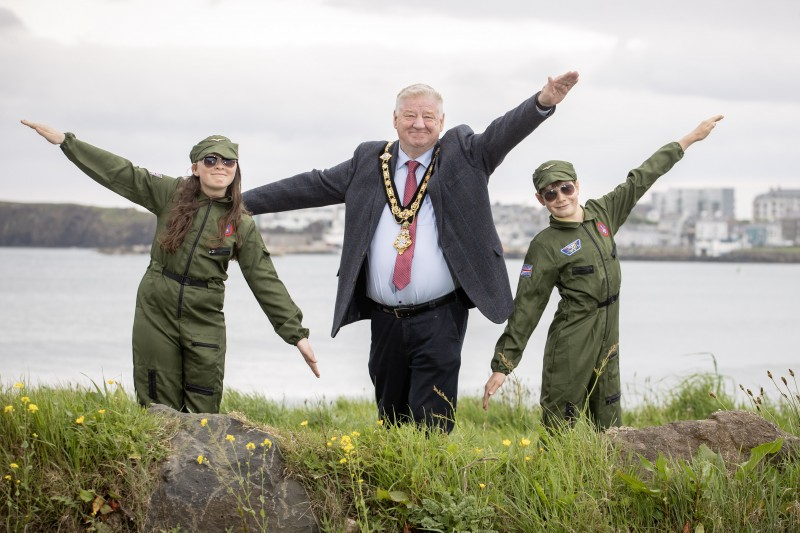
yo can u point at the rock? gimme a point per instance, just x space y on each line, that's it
732 434
231 480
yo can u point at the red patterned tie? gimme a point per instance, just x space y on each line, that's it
402 265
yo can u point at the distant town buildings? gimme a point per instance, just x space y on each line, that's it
678 222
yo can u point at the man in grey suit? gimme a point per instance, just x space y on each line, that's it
415 262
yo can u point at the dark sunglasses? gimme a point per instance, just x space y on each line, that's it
567 189
210 161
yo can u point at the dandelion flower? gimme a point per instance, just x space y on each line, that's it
8 409
101 411
525 442
25 399
230 438
204 422
304 423
32 407
8 477
80 419
380 422
506 442
14 466
18 385
329 444
250 446
267 443
35 435
527 458
356 434
200 459
342 460
482 485
334 438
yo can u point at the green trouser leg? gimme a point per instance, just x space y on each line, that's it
577 376
177 362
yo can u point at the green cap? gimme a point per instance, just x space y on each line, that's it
551 172
215 144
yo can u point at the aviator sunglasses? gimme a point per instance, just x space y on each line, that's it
210 161
567 189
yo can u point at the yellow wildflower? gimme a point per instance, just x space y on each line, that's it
478 450
267 443
525 442
18 385
304 423
8 477
200 459
342 460
32 407
329 444
527 458
506 442
35 435
360 481
230 438
334 438
25 399
204 422
110 381
482 485
8 409
380 422
250 446
356 434
80 419
101 411
14 466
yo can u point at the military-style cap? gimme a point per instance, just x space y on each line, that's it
551 172
215 144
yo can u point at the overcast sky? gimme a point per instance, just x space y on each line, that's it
298 84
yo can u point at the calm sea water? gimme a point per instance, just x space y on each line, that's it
67 318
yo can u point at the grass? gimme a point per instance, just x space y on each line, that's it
80 469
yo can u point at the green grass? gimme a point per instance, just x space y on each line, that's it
498 471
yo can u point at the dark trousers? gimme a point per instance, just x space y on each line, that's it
414 364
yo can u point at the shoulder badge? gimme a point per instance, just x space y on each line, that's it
526 272
602 228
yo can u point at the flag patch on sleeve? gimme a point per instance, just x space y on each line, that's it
526 272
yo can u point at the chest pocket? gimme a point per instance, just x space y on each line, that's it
579 270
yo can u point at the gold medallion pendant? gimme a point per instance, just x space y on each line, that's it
403 240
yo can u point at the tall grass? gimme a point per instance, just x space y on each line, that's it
498 471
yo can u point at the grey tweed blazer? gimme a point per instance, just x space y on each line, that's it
459 193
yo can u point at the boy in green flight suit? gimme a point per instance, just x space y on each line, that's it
577 254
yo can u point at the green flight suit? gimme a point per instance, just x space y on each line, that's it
179 325
581 356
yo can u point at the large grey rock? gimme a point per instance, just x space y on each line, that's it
232 479
732 434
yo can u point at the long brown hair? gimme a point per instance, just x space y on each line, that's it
184 208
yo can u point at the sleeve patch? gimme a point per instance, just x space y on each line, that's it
526 272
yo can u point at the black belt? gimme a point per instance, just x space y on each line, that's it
407 311
610 301
185 280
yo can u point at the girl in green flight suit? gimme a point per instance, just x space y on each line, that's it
179 327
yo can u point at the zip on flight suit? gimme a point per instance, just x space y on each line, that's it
581 356
179 339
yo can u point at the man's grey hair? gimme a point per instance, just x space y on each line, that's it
419 89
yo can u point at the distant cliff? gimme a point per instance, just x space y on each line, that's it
68 225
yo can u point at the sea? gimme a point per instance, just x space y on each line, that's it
67 317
